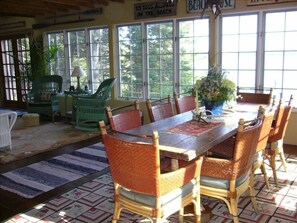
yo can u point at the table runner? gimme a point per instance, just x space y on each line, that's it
194 127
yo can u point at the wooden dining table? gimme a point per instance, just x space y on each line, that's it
188 145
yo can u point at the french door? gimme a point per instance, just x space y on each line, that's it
15 68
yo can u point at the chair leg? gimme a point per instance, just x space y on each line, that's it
234 211
116 213
252 195
263 170
181 215
283 159
273 167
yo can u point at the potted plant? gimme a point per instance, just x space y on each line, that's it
214 89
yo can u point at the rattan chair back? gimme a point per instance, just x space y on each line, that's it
159 109
257 96
267 120
280 123
245 146
184 103
124 118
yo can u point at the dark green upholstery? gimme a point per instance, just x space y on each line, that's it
42 99
90 109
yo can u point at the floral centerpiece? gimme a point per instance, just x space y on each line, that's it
214 89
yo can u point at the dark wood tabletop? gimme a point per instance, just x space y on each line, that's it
185 146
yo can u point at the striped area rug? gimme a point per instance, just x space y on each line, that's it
37 178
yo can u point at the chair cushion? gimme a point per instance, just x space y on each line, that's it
258 157
171 199
274 145
221 183
46 95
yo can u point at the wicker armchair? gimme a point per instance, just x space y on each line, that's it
42 99
184 103
89 109
139 185
276 136
123 118
228 179
159 109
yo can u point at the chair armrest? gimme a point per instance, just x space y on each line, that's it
176 179
217 168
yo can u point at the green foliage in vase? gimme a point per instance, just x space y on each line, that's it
215 87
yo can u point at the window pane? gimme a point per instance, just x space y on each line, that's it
274 41
274 60
247 61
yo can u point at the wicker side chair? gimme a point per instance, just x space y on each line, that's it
184 103
159 109
139 185
125 117
258 162
276 136
226 148
228 179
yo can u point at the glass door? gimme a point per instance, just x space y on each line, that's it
15 69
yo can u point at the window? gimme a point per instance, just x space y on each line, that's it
57 65
262 57
88 48
280 67
193 52
130 61
156 59
160 59
239 49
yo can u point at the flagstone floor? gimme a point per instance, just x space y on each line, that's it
93 202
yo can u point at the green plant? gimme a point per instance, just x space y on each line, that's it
215 87
40 57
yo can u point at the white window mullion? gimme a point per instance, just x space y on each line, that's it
144 61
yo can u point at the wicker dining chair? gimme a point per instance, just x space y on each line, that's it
139 185
226 148
276 137
184 103
258 96
159 109
258 161
228 179
124 118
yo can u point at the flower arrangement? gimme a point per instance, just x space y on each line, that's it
215 88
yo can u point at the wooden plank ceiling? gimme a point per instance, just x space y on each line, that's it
37 8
